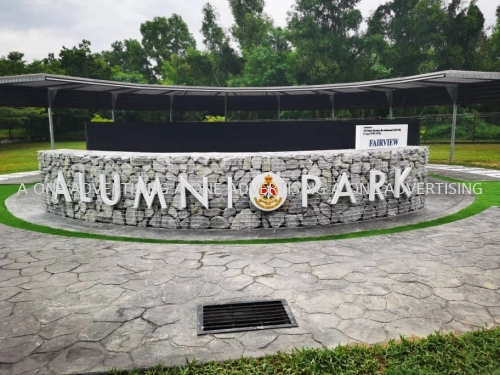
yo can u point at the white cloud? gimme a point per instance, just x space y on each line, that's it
35 43
39 27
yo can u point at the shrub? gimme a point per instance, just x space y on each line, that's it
97 118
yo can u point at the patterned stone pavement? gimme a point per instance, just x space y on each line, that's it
465 173
75 305
20 177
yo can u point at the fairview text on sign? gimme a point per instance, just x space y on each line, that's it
384 142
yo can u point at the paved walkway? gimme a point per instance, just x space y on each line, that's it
465 173
75 305
20 177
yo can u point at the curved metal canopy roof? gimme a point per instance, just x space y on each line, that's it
440 88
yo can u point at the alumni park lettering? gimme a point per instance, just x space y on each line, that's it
267 191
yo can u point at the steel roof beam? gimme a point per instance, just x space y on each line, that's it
125 91
64 87
435 84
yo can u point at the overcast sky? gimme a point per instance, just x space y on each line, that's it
39 27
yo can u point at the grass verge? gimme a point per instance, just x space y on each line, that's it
22 157
471 353
444 178
490 197
486 155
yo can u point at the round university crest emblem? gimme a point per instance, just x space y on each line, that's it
268 192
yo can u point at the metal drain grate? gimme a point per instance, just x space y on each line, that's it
244 316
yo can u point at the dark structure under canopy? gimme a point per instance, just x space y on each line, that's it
440 88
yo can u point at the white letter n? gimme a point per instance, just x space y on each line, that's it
201 198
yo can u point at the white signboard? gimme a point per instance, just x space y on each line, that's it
381 136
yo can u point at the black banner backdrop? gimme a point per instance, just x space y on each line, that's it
262 136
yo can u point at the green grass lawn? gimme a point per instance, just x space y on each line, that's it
22 157
472 353
472 154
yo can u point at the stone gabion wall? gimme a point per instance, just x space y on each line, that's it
328 165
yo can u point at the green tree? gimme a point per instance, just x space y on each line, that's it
413 29
375 55
50 65
81 62
376 52
326 36
12 64
118 75
12 118
163 37
270 64
225 62
492 47
130 57
251 24
192 69
214 36
421 36
464 31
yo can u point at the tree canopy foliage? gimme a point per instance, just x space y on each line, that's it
324 41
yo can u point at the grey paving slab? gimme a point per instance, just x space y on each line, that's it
70 305
462 173
20 177
29 207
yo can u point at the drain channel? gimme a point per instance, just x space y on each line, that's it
244 316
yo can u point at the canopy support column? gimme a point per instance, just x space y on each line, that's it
389 96
171 108
332 102
51 96
453 91
114 97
